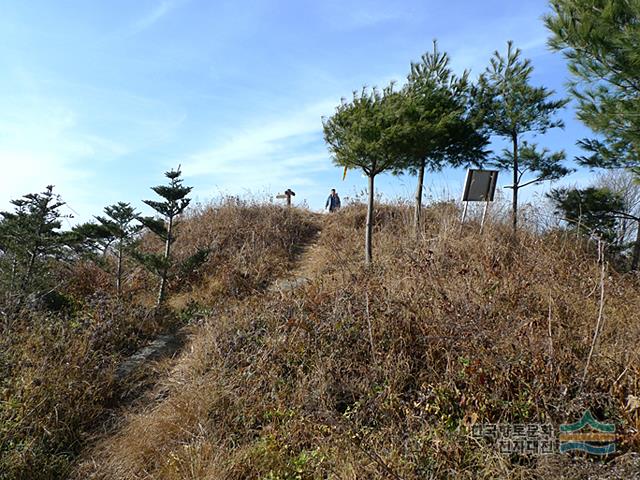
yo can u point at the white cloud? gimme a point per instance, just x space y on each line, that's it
365 17
40 145
155 15
268 150
472 47
357 15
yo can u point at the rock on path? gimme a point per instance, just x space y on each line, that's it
162 346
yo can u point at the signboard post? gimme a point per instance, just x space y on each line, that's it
479 186
287 194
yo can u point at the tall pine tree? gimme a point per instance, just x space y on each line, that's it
365 133
439 128
119 222
28 236
601 41
512 108
174 203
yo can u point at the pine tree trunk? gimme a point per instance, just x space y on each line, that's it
34 254
26 280
514 207
418 206
14 273
119 272
167 252
369 230
635 260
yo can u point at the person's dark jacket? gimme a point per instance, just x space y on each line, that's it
333 202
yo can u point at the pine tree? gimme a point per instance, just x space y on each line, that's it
589 209
601 41
174 203
115 232
511 107
119 223
437 122
534 165
365 133
29 235
623 183
89 239
600 211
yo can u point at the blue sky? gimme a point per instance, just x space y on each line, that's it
99 98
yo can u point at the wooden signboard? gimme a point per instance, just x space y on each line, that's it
288 193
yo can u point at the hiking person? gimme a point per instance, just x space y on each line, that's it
333 202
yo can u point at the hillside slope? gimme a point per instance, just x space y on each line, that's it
62 363
382 373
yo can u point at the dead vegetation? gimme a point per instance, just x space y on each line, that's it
58 387
381 373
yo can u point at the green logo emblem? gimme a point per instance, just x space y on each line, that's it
598 439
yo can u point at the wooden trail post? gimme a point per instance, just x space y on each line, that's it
288 193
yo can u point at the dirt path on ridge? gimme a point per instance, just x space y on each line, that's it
148 367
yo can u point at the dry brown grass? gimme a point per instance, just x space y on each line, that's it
56 369
379 373
56 379
250 245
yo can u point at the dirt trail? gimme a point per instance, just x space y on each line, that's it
168 345
302 271
147 368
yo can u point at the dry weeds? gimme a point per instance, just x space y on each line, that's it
57 383
380 373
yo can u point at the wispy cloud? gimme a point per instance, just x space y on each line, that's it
155 15
358 15
273 151
361 18
43 142
473 49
